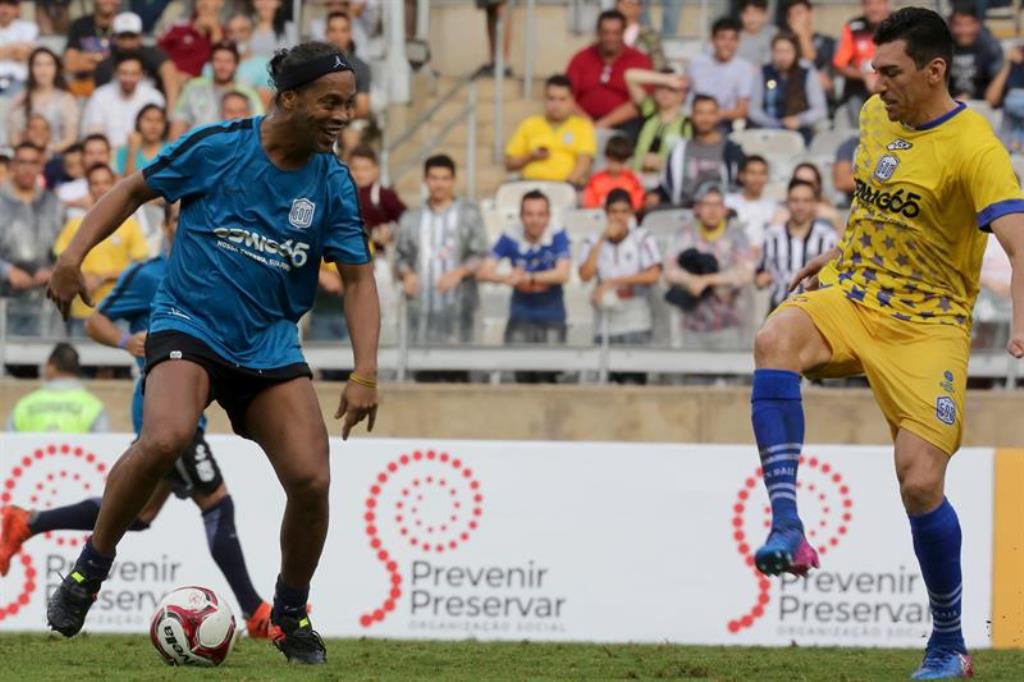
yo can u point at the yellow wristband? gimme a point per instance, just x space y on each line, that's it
356 379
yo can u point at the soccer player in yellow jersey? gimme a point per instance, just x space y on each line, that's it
893 301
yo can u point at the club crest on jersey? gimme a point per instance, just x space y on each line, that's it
886 167
899 145
301 215
945 410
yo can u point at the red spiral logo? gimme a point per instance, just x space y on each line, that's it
42 476
431 502
827 526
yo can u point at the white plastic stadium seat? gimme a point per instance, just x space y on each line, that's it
765 142
679 52
497 221
663 225
562 195
828 141
580 223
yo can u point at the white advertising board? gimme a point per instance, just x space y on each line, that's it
532 540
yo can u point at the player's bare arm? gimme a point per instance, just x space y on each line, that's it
362 310
115 207
102 329
1009 230
808 275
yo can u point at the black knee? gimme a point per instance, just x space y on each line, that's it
312 487
139 525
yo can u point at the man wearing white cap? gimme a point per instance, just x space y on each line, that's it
158 69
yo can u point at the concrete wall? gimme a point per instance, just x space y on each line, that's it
651 414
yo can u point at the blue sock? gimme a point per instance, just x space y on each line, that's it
289 601
222 538
778 417
937 541
94 565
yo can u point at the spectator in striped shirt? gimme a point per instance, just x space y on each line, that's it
790 245
625 261
714 323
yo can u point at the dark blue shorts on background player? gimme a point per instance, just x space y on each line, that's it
129 301
245 264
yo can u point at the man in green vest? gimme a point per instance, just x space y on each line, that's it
62 404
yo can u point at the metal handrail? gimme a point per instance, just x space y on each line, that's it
468 116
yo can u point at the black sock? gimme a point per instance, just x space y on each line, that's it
81 516
94 565
227 552
289 601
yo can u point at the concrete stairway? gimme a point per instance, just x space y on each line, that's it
490 172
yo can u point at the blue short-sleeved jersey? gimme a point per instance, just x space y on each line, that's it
250 240
542 306
130 301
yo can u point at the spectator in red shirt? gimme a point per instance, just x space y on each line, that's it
616 175
855 52
188 42
380 205
598 75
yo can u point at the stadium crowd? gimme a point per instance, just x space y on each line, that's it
702 187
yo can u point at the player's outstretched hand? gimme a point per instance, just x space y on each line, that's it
358 402
808 275
1015 346
66 282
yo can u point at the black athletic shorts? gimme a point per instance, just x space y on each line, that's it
231 385
196 471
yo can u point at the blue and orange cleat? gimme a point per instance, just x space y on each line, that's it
944 664
786 551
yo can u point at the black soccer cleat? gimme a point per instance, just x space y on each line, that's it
70 604
298 641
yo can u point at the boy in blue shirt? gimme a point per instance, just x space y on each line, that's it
263 201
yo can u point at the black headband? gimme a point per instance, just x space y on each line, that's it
300 74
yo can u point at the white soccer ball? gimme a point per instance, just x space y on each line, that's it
193 626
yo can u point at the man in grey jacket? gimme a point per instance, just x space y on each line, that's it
30 220
439 247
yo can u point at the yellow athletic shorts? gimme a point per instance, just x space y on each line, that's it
917 372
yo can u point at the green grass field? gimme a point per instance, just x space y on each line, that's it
103 657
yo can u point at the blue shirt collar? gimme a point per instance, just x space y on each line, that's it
936 122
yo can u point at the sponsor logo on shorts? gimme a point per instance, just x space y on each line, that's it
947 382
945 410
899 145
886 167
175 355
301 215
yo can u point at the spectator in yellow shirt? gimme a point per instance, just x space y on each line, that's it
112 256
558 145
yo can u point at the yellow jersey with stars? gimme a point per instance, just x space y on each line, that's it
923 202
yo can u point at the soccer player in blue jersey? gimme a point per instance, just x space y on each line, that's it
195 475
893 301
263 201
